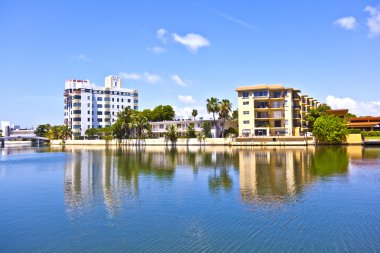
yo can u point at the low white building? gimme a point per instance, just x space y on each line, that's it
160 128
89 106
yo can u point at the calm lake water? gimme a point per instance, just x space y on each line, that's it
220 199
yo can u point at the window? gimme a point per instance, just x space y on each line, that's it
77 112
129 100
88 97
276 104
76 97
88 112
246 103
88 126
88 105
99 99
113 113
286 122
135 94
277 94
245 94
117 106
113 106
99 113
122 100
99 106
88 119
106 99
135 108
76 126
277 114
100 120
76 119
245 112
122 107
246 122
135 101
262 115
277 123
262 105
106 106
106 113
261 93
113 99
117 100
286 102
161 126
76 104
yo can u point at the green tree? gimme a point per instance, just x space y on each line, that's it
65 132
206 130
235 115
190 133
224 113
142 126
92 133
105 133
194 113
213 107
163 112
54 133
124 121
42 130
330 129
314 114
171 134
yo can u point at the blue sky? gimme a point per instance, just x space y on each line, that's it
183 52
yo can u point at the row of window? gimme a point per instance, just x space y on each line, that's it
108 92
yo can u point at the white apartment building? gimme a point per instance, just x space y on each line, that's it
89 106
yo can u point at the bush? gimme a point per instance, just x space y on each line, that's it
354 131
371 133
330 129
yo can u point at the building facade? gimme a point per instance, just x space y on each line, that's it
159 128
273 110
89 106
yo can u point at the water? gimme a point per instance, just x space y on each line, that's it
195 199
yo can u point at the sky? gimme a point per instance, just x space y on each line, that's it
183 52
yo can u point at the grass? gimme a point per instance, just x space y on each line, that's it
372 138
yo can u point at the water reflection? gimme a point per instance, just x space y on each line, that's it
262 175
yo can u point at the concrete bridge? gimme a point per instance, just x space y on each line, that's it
10 138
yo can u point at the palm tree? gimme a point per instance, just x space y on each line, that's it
225 109
65 132
194 113
54 133
171 134
142 124
213 107
125 118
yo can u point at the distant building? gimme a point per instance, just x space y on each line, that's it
159 128
272 110
89 106
365 123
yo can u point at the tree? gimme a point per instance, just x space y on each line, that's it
235 115
124 120
330 129
206 130
54 133
194 113
162 112
224 113
171 134
213 107
92 133
191 131
314 114
105 133
65 132
42 130
142 125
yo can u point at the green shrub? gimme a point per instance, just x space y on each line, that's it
370 133
354 131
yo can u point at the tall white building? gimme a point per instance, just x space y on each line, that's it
87 106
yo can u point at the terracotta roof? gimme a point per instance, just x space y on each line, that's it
362 124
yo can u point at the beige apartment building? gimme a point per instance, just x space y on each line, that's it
273 110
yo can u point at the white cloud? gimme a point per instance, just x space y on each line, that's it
373 22
185 112
146 76
348 23
371 108
186 99
157 50
151 78
79 57
161 35
178 80
132 76
237 21
192 41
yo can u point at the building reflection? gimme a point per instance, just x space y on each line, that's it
115 175
280 175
